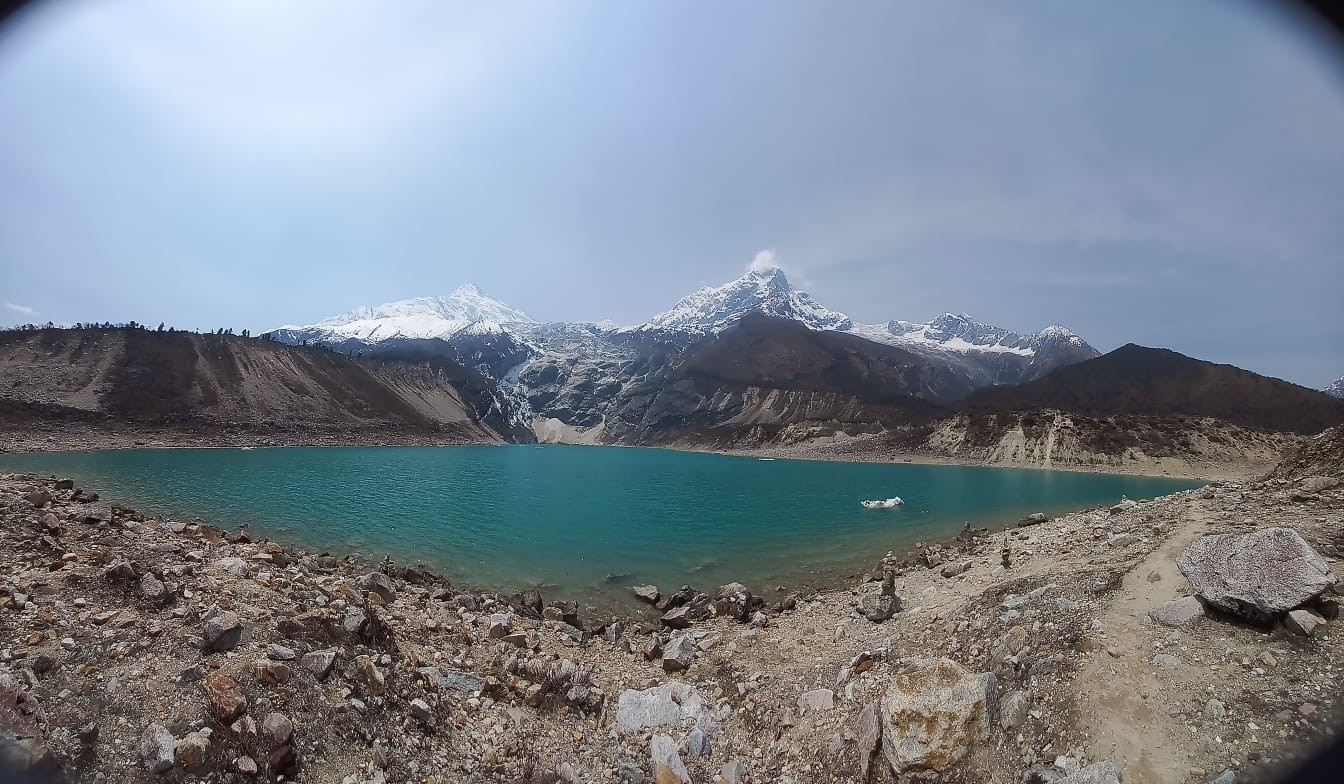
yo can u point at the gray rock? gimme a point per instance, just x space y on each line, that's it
679 654
1258 575
157 748
277 728
667 765
952 570
234 566
223 632
1302 622
1166 660
1035 518
815 700
1064 605
697 743
629 773
280 653
1014 601
879 607
933 711
319 663
1013 709
38 498
870 736
379 583
421 711
1181 613
732 772
648 593
1319 484
500 625
1215 710
1226 777
1097 773
452 680
668 705
677 618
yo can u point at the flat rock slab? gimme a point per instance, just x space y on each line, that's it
1180 613
1259 576
668 705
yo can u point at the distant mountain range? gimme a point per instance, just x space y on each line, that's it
583 375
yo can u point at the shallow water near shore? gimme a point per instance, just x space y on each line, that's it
583 522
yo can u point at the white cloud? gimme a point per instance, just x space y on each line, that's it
24 309
764 261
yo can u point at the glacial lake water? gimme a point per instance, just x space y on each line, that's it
583 522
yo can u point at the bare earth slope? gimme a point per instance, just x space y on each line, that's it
179 378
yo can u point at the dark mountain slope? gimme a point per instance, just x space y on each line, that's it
179 377
1158 382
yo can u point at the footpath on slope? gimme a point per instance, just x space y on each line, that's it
135 648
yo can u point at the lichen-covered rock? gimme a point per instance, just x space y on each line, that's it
1258 575
933 712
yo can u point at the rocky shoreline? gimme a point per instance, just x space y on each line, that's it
141 649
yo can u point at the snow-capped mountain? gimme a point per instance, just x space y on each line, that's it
714 309
1336 389
693 366
465 310
961 333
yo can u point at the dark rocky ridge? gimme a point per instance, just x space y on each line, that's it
1158 382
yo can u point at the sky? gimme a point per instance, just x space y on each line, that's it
1170 174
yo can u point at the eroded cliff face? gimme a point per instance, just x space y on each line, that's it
179 377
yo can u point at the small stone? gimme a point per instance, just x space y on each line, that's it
152 588
226 699
1215 710
500 625
319 663
1180 613
680 653
815 700
191 750
157 748
1013 709
223 632
1166 660
368 674
277 728
421 711
647 593
280 653
245 765
676 618
1302 622
667 765
273 673
379 584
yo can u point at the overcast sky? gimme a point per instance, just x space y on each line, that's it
1165 173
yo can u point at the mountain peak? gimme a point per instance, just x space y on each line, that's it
415 318
763 289
1336 389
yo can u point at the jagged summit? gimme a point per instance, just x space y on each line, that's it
764 289
1336 388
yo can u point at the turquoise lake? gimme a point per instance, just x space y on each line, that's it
583 522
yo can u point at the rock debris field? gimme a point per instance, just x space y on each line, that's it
1192 638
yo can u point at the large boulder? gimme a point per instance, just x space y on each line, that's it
668 705
1259 576
933 712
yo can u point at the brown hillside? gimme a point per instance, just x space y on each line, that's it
179 377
